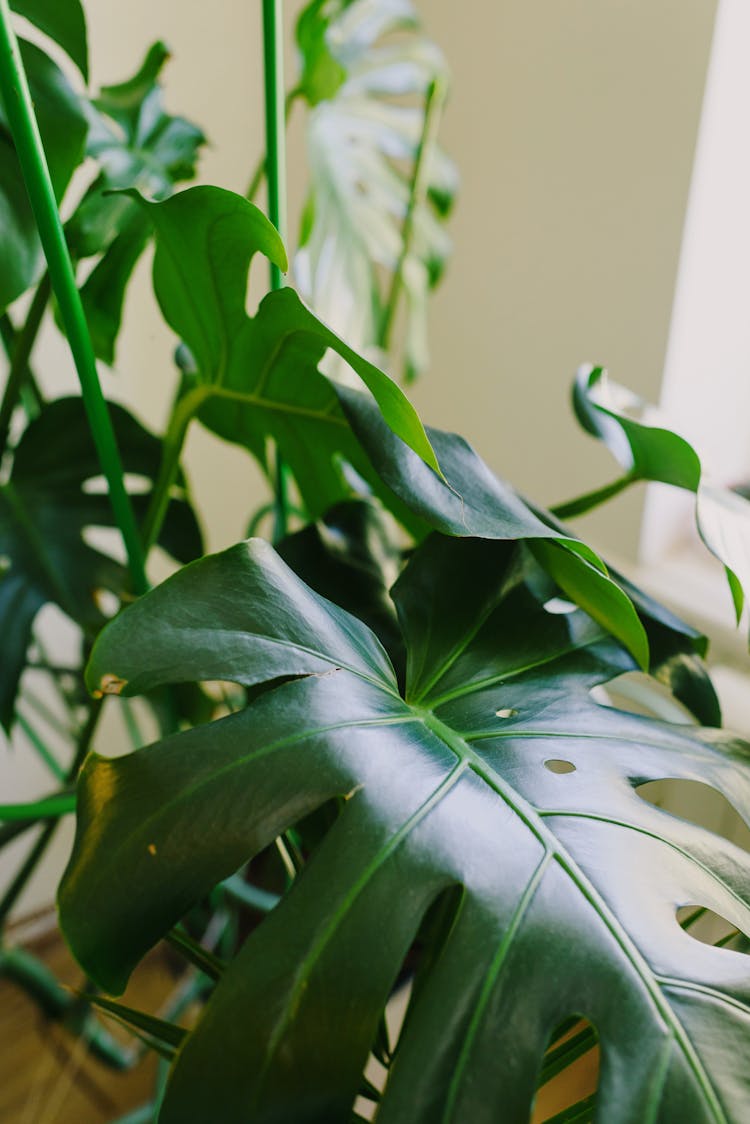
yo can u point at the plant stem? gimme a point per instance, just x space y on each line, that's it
25 131
44 712
183 413
11 831
582 1112
37 852
31 396
419 183
53 765
201 958
273 72
19 365
25 871
589 500
260 168
61 803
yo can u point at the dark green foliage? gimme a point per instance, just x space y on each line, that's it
571 881
45 507
385 753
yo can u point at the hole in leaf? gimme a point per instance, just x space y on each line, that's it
570 1070
107 602
699 804
557 765
710 928
506 712
107 540
637 693
135 482
259 885
415 969
558 606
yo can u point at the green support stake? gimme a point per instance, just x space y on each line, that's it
275 102
273 57
23 125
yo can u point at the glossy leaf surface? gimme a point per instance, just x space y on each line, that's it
367 70
650 452
63 21
260 377
206 239
62 125
568 880
471 501
45 507
352 557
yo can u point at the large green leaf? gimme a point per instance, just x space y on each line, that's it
469 500
46 505
137 144
649 452
564 885
260 377
206 239
367 70
62 125
63 21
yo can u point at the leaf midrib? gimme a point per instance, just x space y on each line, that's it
530 818
340 914
501 677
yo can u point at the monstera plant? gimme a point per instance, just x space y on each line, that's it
384 751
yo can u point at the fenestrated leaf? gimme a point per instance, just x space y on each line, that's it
367 70
63 21
62 126
649 452
137 144
46 505
570 882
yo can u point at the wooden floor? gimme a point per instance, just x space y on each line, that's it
46 1076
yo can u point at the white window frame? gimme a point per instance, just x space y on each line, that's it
706 386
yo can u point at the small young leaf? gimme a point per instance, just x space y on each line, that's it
621 420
